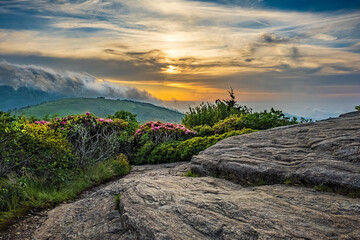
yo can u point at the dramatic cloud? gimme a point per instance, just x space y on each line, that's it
191 50
66 83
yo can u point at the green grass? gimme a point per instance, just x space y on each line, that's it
37 193
117 201
101 108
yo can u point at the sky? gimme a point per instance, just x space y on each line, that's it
302 57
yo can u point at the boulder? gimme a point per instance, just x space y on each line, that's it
324 153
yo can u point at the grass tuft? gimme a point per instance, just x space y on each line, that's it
191 174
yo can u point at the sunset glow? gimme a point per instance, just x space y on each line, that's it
269 51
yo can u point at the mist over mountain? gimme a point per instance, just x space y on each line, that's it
46 84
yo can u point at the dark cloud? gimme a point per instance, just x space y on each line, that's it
272 38
66 83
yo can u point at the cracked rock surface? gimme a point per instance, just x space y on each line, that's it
158 202
321 153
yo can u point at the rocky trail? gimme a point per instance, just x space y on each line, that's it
158 202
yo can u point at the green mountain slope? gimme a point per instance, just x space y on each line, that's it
102 108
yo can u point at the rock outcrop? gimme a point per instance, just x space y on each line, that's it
325 153
158 202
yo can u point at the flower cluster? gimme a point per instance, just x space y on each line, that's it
42 122
159 126
87 120
159 132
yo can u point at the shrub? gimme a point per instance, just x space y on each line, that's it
92 139
158 132
174 151
357 108
204 130
209 114
259 121
10 154
125 137
194 146
141 155
34 148
49 151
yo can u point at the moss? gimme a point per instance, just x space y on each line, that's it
191 174
343 190
289 181
260 182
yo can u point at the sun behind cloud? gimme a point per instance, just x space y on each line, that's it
172 69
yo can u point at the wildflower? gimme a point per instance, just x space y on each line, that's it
101 119
87 113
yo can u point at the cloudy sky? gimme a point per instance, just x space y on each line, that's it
299 56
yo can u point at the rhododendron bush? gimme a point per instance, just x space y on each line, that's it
92 139
158 132
51 147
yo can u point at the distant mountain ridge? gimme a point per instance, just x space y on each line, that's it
101 107
11 98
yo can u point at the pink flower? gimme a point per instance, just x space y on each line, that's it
108 120
57 119
63 122
87 113
101 119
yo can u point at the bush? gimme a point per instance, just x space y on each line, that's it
34 148
209 114
50 153
259 121
92 139
158 132
204 130
11 132
357 108
174 151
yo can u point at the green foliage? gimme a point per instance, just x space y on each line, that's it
117 201
209 114
142 153
124 115
28 191
50 152
174 151
357 108
34 148
191 174
204 130
259 120
92 139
